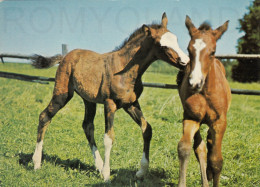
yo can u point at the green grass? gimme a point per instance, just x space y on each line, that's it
68 161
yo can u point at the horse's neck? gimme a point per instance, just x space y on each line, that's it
216 73
137 61
127 54
143 59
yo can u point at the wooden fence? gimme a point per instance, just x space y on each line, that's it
26 57
64 51
45 80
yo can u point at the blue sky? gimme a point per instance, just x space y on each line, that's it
41 26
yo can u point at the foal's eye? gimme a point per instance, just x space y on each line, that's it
212 53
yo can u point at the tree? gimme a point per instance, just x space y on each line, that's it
249 70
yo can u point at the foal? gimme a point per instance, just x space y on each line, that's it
112 79
206 97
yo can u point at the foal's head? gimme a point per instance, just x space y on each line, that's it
202 49
165 44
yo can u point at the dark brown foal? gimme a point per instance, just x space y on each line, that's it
112 79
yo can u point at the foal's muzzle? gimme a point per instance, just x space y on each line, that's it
180 63
196 84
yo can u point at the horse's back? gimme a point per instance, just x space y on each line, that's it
75 55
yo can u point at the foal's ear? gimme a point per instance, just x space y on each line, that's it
191 28
164 20
220 30
146 30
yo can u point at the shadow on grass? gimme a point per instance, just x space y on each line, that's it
26 159
119 177
155 177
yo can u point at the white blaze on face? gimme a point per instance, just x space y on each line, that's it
168 39
196 75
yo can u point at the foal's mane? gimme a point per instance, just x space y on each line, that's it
205 26
137 32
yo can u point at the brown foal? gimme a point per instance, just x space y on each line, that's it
112 79
206 97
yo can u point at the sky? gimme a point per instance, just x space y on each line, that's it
42 26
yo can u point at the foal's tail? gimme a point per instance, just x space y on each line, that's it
41 62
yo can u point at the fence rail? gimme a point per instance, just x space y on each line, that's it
26 57
38 79
173 86
239 56
46 80
64 50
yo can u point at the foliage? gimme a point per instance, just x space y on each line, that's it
67 159
228 64
249 70
162 67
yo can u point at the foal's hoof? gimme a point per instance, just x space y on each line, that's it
98 162
209 174
106 174
37 161
99 168
140 174
37 166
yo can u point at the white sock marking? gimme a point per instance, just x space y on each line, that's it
168 39
144 167
106 168
98 159
196 74
37 156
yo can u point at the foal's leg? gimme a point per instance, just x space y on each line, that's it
184 147
88 127
57 102
215 159
110 109
209 147
135 112
63 92
199 147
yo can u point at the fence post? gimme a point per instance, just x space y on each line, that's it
64 49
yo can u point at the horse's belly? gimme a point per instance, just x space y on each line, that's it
89 96
88 87
88 79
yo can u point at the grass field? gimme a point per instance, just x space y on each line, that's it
67 159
